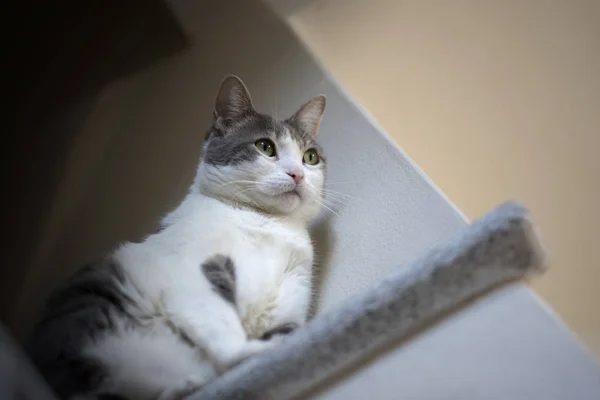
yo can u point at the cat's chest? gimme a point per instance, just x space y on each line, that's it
264 253
254 241
269 260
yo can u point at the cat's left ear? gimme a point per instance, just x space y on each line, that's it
308 117
233 101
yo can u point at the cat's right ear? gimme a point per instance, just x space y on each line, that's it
233 102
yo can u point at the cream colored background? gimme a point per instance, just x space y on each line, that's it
495 100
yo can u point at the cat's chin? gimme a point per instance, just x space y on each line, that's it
283 203
288 202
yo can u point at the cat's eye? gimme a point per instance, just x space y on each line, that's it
311 157
266 147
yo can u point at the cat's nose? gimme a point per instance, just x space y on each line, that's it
297 176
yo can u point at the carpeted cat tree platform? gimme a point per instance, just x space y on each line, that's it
496 249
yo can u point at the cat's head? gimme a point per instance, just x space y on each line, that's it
255 160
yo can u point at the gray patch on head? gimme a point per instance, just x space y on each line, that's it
220 272
235 144
305 139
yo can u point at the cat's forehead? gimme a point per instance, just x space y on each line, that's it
236 144
260 125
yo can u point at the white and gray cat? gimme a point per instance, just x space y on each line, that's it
226 277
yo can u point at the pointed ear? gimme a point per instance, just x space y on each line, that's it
233 101
309 115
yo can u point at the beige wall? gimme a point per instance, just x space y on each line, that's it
495 100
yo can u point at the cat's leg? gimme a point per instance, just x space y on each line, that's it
205 310
182 389
213 324
292 303
149 364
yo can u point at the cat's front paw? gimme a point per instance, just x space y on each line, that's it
252 347
183 389
279 331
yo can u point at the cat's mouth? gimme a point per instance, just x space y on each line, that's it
289 195
293 192
290 190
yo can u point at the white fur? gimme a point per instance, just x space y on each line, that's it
256 215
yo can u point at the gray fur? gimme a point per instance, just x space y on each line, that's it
235 145
86 306
498 248
220 272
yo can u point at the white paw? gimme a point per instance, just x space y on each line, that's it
183 389
251 348
259 345
275 341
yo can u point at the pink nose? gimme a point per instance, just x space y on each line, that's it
298 176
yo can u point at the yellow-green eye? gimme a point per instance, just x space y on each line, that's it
311 157
265 146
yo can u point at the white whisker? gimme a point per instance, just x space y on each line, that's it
330 210
234 182
340 182
333 192
331 204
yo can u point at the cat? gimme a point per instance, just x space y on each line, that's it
227 276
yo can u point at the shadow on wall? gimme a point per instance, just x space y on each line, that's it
63 56
324 241
155 120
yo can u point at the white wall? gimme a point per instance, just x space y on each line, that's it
495 100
